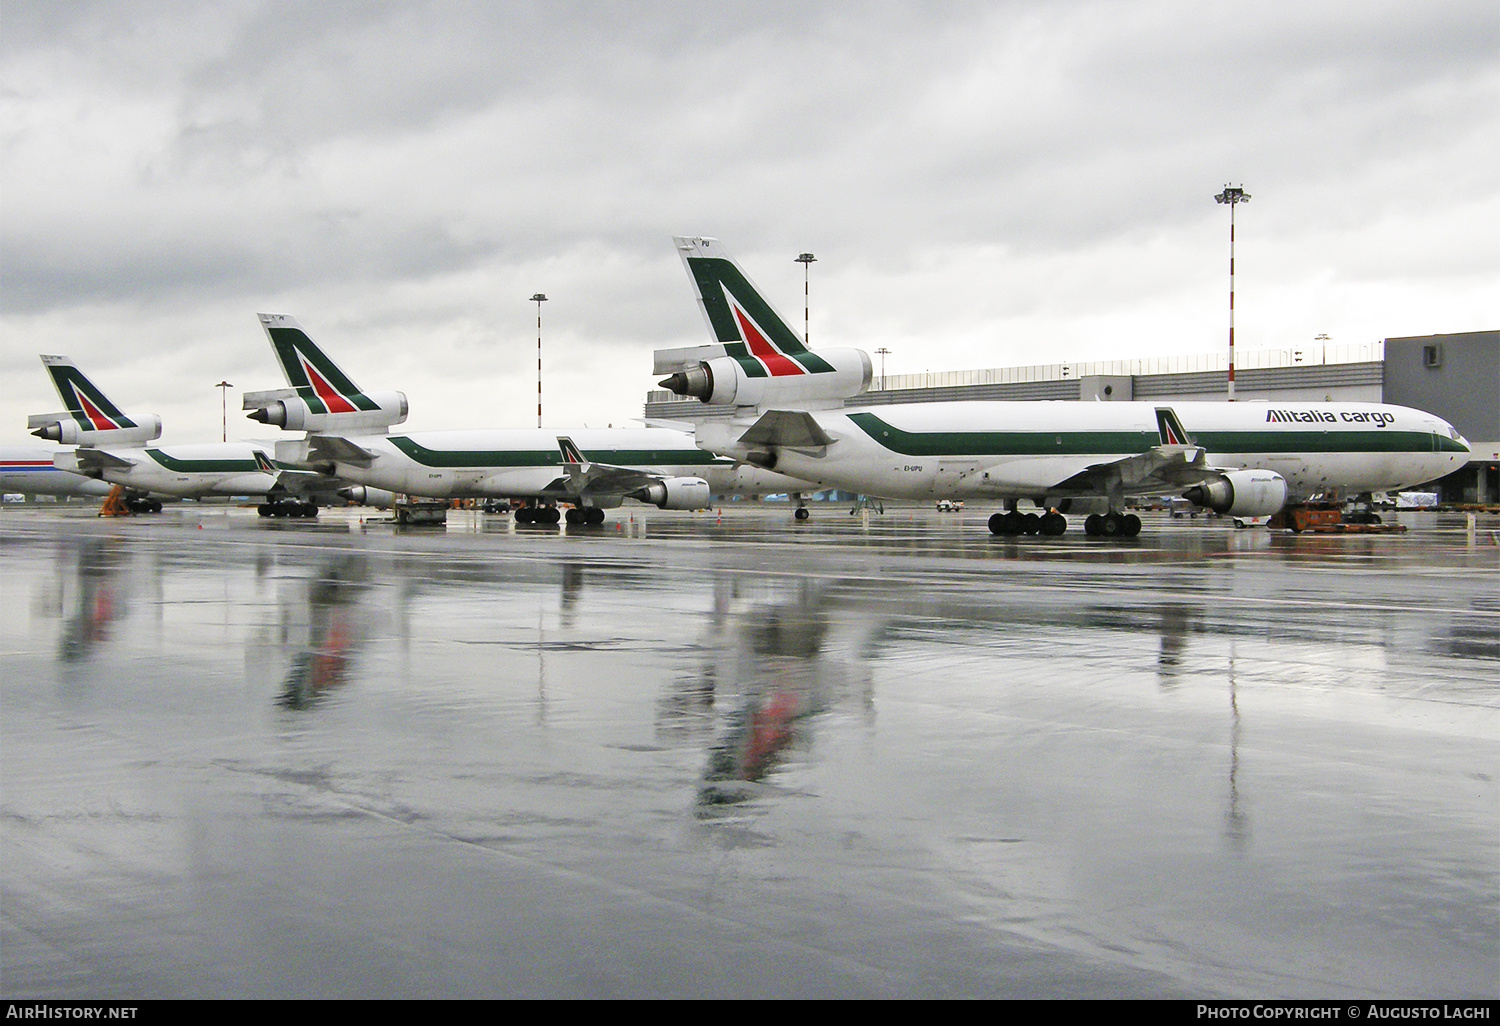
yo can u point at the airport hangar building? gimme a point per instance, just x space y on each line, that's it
1455 376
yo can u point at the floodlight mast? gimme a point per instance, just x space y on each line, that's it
1231 195
223 410
806 260
538 299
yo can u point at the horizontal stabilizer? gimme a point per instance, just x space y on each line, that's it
91 459
339 450
260 400
670 361
793 429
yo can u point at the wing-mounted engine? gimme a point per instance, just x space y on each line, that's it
65 428
1241 493
828 376
283 408
675 493
367 495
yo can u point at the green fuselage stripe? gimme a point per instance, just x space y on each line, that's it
176 465
1079 443
1365 440
487 458
1003 443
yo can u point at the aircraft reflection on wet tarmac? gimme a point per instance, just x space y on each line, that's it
1226 765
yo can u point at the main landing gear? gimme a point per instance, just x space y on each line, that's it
538 515
1013 523
1112 525
1052 524
580 515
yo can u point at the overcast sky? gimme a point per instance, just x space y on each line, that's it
984 184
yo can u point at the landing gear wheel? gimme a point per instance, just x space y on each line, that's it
551 515
1054 524
595 515
997 523
1031 523
1092 526
1130 525
1110 526
264 509
801 513
575 517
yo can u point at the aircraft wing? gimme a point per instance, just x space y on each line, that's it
1160 468
583 478
295 481
332 448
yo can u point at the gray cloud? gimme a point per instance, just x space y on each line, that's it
974 177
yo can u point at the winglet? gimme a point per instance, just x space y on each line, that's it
571 456
1170 428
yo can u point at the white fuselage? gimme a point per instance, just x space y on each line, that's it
523 463
28 470
188 471
1012 450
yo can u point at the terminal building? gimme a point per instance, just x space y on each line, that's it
1456 377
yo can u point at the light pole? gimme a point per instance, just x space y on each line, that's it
538 299
1231 195
806 260
882 352
224 409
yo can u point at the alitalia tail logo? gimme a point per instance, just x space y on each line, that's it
761 348
329 395
88 405
318 380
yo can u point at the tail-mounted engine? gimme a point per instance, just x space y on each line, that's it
828 375
675 493
282 408
1241 493
64 427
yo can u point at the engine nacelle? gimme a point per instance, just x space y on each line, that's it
826 375
61 427
1241 493
293 414
675 493
365 495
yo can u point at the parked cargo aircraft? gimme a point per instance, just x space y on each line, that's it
111 449
28 470
781 406
591 469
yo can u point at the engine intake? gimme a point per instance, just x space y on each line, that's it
1241 493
